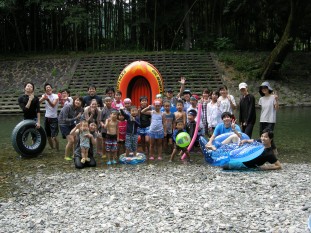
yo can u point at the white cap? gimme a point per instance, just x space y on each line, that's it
242 85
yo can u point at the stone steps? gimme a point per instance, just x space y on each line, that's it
103 71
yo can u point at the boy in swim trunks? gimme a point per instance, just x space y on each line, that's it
111 125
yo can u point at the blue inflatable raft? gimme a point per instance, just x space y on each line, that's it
230 154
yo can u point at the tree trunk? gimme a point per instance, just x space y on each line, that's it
187 39
285 45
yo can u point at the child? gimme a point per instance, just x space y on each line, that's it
157 128
105 114
127 105
169 123
122 134
133 123
180 114
179 128
145 121
85 136
117 103
111 125
191 124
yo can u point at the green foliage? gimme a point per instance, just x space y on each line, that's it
54 72
223 43
247 63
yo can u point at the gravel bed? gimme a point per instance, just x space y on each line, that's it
160 198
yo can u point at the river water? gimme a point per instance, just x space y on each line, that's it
292 137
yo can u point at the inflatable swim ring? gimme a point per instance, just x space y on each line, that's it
230 154
27 140
140 78
139 158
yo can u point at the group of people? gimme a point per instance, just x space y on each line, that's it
111 126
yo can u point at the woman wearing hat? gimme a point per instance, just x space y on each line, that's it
269 104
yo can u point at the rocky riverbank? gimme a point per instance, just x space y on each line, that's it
160 198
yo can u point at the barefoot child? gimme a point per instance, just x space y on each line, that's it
179 128
111 125
84 135
169 122
180 114
145 121
122 134
157 128
131 139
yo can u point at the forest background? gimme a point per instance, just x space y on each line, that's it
45 26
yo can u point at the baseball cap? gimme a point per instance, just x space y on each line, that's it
242 85
194 97
169 90
192 112
187 91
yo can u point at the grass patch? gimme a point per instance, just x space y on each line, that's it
247 63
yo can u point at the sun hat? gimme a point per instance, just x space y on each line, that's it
265 84
242 85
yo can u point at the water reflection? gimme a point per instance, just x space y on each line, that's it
291 135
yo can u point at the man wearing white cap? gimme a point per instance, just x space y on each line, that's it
247 115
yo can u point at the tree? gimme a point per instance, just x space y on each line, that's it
285 45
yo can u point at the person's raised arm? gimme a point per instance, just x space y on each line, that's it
233 127
182 86
276 101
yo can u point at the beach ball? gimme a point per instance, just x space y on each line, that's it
183 139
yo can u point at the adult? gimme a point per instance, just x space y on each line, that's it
50 117
226 101
30 105
68 117
267 155
247 116
205 99
227 126
64 98
213 113
92 95
77 153
92 113
269 104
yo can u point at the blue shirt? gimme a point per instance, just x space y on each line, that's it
221 129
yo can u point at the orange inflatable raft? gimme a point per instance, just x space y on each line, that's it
140 78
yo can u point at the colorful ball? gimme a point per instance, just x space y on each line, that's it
183 139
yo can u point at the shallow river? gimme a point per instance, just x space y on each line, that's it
292 136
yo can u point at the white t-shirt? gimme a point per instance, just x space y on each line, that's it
268 112
225 104
213 113
51 112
